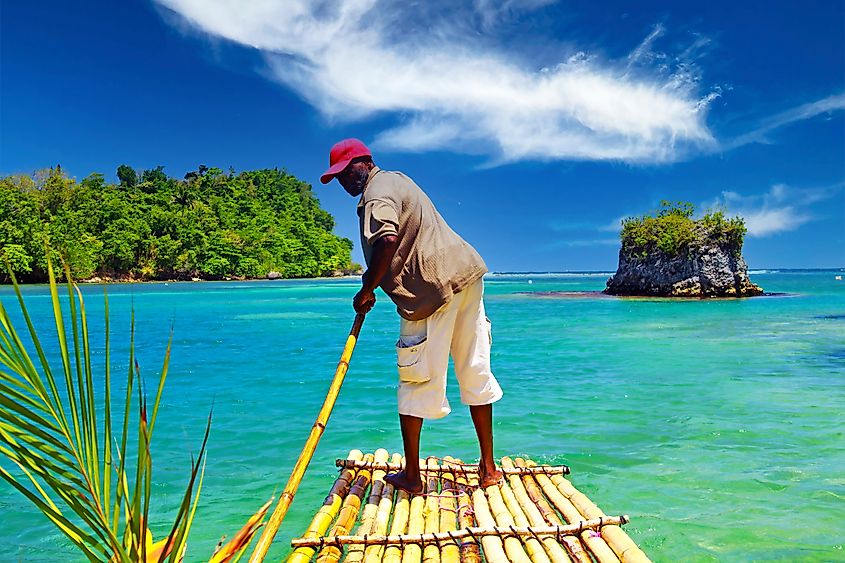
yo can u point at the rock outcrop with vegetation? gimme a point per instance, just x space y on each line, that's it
670 254
210 225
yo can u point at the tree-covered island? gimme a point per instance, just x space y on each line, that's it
671 254
210 225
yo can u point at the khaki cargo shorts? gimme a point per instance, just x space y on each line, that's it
461 329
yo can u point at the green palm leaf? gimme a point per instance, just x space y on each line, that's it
66 459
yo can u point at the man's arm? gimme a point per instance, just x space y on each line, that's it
383 250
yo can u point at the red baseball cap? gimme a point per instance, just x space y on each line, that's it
340 156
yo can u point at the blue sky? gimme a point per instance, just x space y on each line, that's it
535 126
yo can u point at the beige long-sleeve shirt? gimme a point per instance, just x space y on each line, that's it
432 262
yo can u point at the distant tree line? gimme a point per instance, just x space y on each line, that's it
211 224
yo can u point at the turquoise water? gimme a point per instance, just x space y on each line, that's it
717 425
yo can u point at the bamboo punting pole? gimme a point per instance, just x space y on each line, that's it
573 544
449 551
469 547
310 446
616 538
595 543
368 516
468 468
412 553
393 553
348 514
525 514
385 505
493 532
325 516
431 552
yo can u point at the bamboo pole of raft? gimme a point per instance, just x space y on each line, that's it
595 543
617 540
467 468
374 553
431 552
526 514
325 516
309 448
493 546
572 544
497 532
469 547
416 525
531 544
368 516
348 514
513 547
393 553
449 552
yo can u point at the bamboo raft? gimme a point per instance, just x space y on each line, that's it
534 516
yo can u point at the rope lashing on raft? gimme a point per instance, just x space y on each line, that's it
474 532
514 513
463 468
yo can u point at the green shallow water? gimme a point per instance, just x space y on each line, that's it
716 425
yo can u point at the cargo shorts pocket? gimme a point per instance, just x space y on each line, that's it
410 360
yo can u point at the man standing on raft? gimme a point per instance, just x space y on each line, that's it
434 278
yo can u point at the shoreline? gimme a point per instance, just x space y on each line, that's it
121 280
603 295
105 280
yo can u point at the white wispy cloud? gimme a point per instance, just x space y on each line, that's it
590 242
493 12
352 59
613 226
557 244
781 209
570 226
644 49
760 134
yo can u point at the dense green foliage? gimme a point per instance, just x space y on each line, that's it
672 230
211 225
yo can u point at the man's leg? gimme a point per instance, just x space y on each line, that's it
479 389
409 479
422 387
482 418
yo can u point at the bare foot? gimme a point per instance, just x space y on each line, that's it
489 477
401 481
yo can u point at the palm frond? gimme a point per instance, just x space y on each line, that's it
65 459
237 546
